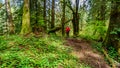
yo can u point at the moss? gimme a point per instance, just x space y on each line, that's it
26 18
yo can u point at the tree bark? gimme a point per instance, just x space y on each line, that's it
9 17
53 14
114 26
75 23
44 16
63 19
77 17
26 18
75 20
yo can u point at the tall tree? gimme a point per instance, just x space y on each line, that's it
26 18
75 20
53 14
34 15
63 18
44 16
9 17
113 33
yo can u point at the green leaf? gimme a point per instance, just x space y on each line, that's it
113 32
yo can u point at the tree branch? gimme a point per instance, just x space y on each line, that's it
69 6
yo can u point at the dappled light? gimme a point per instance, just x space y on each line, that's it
59 34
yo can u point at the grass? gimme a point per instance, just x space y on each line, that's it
45 52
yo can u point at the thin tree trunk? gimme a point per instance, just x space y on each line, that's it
36 17
53 14
74 24
9 17
44 16
26 18
77 17
63 19
49 20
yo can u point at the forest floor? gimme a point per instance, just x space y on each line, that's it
49 52
86 54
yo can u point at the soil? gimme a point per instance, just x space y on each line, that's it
86 54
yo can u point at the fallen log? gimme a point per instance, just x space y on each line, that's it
58 27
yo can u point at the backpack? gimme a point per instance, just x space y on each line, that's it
67 29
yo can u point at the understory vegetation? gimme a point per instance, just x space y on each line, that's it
31 52
59 33
111 53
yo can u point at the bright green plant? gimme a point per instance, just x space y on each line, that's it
31 52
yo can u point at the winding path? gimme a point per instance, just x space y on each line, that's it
86 53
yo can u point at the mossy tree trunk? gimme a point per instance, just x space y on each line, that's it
113 33
63 18
53 14
26 18
9 17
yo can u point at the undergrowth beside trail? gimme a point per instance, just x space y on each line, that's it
30 52
112 52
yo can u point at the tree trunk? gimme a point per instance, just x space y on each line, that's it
113 33
63 19
34 15
44 16
75 20
75 23
49 15
26 18
53 14
9 17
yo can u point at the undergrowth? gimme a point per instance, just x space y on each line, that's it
30 52
112 52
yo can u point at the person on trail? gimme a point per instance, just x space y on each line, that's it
67 31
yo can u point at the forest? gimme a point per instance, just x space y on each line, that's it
59 33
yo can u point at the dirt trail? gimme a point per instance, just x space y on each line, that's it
86 53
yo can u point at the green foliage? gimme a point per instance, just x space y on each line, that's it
41 23
115 31
94 30
3 23
113 53
31 52
3 43
0 5
18 19
97 46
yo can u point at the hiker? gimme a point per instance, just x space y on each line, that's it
67 31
